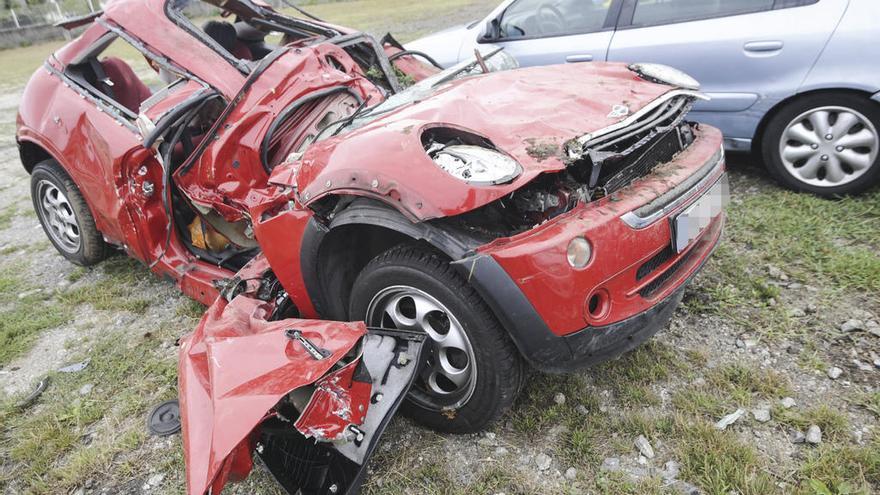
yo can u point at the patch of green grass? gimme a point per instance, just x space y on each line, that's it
793 231
718 462
76 274
406 20
19 63
630 376
841 469
22 319
535 410
728 387
870 401
190 308
116 290
6 216
65 438
833 423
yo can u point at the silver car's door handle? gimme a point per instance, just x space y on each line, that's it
763 46
586 57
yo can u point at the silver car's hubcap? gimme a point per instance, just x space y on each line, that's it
829 146
449 374
57 216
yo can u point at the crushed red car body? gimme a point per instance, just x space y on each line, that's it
289 172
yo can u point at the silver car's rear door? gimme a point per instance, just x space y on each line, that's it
747 54
544 32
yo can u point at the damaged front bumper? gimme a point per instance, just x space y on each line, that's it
564 318
310 397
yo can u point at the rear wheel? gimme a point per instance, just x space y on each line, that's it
472 371
64 215
827 144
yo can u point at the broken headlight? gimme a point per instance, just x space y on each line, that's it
664 74
474 164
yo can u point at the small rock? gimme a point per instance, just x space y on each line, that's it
877 363
762 415
153 481
86 389
852 325
793 349
670 470
610 464
740 343
581 409
797 436
788 402
28 293
571 473
772 301
776 273
814 435
559 398
811 308
685 488
500 451
797 313
490 435
642 460
543 461
795 286
834 372
729 419
644 446
862 366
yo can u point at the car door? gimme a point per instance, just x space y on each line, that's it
747 54
543 32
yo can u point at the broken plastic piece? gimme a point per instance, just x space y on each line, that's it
76 367
30 399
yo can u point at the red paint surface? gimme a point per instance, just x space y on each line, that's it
234 368
536 260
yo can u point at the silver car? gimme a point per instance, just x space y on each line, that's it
796 81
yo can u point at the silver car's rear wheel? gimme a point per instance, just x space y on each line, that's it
448 376
57 215
829 146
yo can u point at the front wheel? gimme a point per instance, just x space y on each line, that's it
472 371
827 144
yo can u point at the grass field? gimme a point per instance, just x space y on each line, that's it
761 323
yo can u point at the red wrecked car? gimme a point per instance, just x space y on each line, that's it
284 170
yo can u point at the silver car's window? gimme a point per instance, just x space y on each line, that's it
654 12
544 18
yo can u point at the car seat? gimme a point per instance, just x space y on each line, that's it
128 90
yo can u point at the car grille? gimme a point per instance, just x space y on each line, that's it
662 149
656 284
654 263
618 155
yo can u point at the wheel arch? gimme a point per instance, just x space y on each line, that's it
333 254
31 153
758 140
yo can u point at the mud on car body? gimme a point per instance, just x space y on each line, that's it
544 216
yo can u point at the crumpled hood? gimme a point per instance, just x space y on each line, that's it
527 113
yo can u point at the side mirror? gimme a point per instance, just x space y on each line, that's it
491 31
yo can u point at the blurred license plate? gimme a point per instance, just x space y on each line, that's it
690 223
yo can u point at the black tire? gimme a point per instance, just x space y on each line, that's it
91 247
771 141
500 370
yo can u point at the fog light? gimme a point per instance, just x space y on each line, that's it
579 252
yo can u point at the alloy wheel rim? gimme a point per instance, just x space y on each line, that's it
829 146
448 376
58 217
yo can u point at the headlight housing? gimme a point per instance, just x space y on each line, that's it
475 164
665 74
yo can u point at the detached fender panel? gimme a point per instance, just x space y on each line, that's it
311 397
